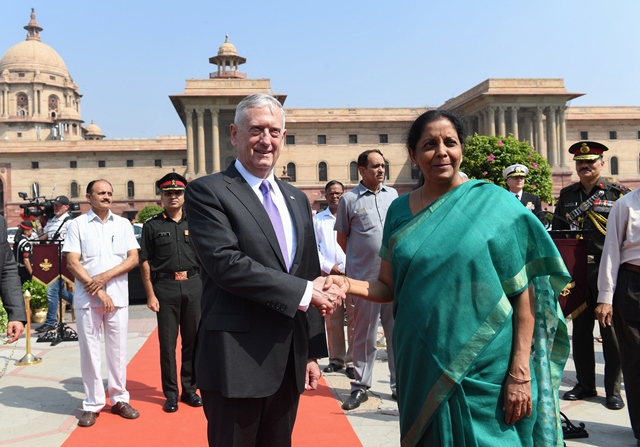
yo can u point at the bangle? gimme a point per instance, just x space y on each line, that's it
519 380
348 284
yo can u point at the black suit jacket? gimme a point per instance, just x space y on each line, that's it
250 323
10 288
533 199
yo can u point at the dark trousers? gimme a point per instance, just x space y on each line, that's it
253 422
626 318
179 310
583 350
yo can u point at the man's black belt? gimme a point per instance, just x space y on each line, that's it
631 267
178 276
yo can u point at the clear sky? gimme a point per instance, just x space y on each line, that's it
127 57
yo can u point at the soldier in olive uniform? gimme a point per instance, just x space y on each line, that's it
169 269
585 206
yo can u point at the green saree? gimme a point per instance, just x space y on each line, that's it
455 265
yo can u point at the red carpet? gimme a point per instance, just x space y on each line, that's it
320 420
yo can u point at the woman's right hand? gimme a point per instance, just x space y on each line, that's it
339 280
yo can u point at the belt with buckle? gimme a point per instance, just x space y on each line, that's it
178 276
631 267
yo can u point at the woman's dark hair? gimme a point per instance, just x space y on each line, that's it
416 129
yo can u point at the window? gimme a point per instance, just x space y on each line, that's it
639 135
35 165
53 105
129 163
291 172
353 139
102 164
291 139
19 134
158 192
613 135
584 135
386 170
353 171
614 165
22 104
157 163
384 138
184 162
73 190
415 172
131 192
322 171
73 164
322 139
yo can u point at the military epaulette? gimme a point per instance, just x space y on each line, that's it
623 189
154 217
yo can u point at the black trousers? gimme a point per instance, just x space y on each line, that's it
626 318
583 350
179 310
253 422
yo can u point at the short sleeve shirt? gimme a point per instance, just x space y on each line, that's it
102 246
361 217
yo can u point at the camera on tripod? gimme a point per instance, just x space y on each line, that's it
41 206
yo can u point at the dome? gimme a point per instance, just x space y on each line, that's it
93 130
68 113
227 48
33 55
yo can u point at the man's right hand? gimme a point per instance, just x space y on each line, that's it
326 301
153 303
604 314
107 302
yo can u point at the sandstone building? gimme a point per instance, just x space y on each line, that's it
43 139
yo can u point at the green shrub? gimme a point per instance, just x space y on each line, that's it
3 319
147 212
485 157
38 294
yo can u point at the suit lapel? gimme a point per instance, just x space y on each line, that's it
241 189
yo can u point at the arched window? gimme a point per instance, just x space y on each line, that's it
386 170
158 191
73 190
353 171
322 171
291 172
53 106
614 165
22 104
131 191
415 172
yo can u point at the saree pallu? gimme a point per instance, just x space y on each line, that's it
454 266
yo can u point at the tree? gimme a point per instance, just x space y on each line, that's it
147 212
485 157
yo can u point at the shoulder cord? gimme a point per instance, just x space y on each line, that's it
599 221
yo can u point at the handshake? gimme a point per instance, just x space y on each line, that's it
328 293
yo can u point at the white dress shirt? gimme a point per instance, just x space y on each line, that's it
621 244
329 251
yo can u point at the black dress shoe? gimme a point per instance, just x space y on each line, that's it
394 395
171 405
350 372
87 419
191 399
615 402
354 401
579 393
332 367
46 328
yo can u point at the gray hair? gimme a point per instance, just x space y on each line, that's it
256 101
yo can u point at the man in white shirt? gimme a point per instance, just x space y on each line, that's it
619 294
332 262
101 249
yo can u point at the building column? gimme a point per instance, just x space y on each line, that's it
202 167
480 123
514 121
215 134
491 121
562 136
552 136
539 130
5 102
502 125
190 154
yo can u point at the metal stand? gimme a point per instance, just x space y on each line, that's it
28 359
570 431
62 332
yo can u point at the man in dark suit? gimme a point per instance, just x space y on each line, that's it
10 289
258 338
515 175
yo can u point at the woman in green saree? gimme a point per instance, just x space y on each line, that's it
479 336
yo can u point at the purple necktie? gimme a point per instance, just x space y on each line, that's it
276 221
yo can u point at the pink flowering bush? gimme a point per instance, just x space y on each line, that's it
485 157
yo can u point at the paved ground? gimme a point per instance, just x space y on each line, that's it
39 403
